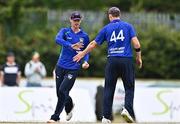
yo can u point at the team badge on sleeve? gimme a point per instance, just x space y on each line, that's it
70 76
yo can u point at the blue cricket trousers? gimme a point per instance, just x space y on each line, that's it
118 67
65 79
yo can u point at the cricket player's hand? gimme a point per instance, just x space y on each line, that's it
139 62
79 56
77 46
85 65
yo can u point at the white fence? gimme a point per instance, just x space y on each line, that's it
93 20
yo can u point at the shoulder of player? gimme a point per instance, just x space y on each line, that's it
126 24
121 22
64 29
105 28
84 33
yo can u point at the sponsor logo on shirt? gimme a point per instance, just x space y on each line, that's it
69 38
117 50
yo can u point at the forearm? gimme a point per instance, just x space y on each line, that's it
138 55
63 42
137 48
90 47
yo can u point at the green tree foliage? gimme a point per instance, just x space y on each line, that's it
161 51
125 5
161 5
23 29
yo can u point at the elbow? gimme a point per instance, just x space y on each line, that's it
93 45
136 42
137 45
56 41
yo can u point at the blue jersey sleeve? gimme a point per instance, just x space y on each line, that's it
101 37
86 57
132 31
60 39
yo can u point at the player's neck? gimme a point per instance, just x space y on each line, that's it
75 30
10 63
115 18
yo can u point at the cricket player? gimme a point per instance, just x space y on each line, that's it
72 39
119 36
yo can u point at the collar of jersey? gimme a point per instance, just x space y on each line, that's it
74 32
116 20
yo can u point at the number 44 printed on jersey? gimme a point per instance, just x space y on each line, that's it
115 38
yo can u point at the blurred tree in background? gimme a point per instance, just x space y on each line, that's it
24 29
161 51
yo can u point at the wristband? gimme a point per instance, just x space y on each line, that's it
137 49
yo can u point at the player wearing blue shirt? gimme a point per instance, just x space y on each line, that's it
119 36
72 40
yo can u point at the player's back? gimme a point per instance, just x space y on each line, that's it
118 35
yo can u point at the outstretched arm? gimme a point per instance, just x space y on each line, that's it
88 49
100 38
61 41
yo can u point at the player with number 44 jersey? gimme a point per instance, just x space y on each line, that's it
119 36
